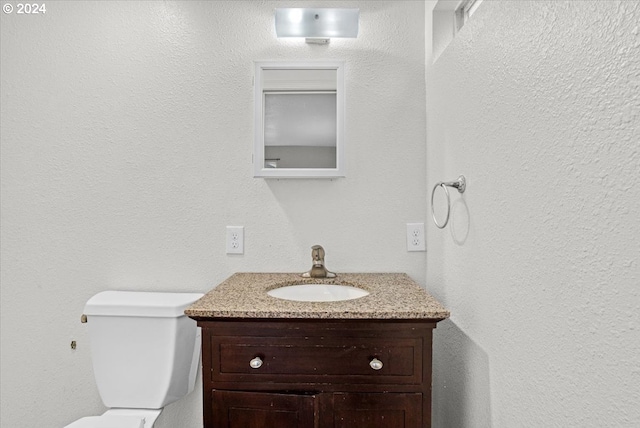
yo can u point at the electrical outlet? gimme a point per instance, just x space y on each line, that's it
415 237
235 239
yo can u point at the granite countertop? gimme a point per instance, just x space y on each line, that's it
392 296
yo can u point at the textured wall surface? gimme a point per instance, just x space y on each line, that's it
538 104
126 150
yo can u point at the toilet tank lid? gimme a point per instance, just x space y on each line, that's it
140 304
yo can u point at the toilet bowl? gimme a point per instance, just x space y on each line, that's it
119 418
145 355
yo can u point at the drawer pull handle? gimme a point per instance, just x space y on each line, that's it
376 364
256 363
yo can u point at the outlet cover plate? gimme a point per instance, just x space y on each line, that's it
415 237
235 239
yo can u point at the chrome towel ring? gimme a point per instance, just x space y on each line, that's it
460 184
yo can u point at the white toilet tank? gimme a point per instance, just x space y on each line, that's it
145 351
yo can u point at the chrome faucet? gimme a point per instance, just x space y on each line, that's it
318 270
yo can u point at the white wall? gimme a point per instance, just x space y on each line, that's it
126 150
538 104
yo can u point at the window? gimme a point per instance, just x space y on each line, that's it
448 17
464 12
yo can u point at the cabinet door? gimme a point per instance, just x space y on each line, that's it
237 409
377 410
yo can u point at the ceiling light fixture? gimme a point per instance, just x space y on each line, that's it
317 25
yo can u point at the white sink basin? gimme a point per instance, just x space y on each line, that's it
318 292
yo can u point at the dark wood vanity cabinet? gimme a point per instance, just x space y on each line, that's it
283 373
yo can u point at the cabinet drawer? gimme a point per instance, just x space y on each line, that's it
316 359
242 409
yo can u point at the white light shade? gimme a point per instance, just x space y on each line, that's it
317 22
